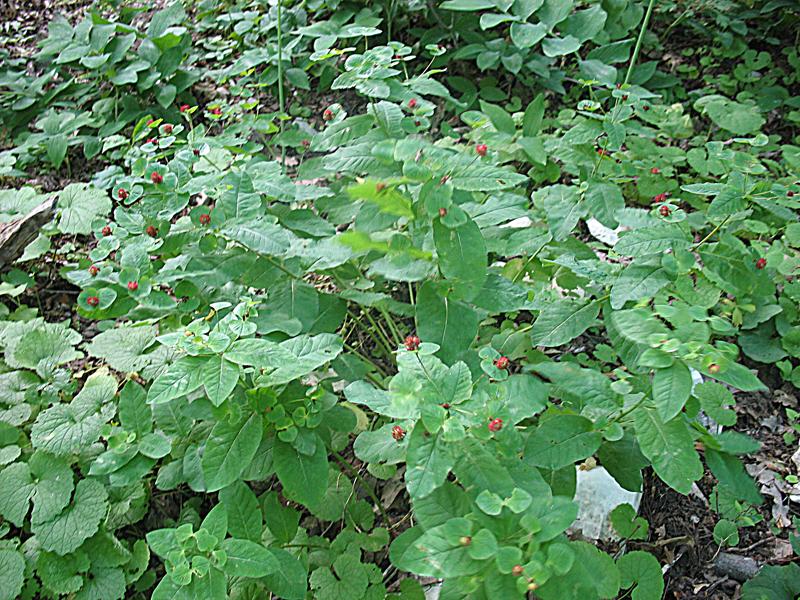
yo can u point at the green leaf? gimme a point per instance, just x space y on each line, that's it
627 524
637 281
726 533
123 348
715 400
731 474
501 120
450 324
593 575
560 46
12 574
671 389
80 204
652 240
669 447
388 199
563 321
389 118
304 478
438 552
229 449
261 236
244 514
180 379
563 206
220 377
428 462
562 440
462 257
642 569
248 559
534 113
527 35
79 521
467 5
288 581
604 199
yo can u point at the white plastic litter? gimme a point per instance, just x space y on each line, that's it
600 232
597 494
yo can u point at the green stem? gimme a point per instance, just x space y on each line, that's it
367 487
711 233
639 40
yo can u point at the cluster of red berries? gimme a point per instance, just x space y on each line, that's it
412 103
603 152
205 219
93 270
761 263
501 363
481 149
411 343
664 210
655 170
167 128
133 286
442 212
106 231
92 301
151 231
495 425
327 115
662 197
398 433
184 107
156 177
122 193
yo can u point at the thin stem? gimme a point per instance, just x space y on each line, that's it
639 40
367 487
711 233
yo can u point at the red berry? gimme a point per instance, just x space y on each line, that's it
412 103
481 149
93 270
713 368
196 152
216 110
417 123
151 231
106 230
603 152
122 193
619 85
660 197
655 170
445 405
133 286
398 433
501 363
153 141
664 210
790 194
624 97
442 212
204 219
150 121
184 107
517 570
761 263
327 115
495 425
93 301
380 186
305 143
645 108
411 342
167 128
156 177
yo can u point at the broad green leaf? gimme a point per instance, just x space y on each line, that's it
563 321
67 530
12 574
438 552
642 569
562 440
638 281
671 389
244 513
450 324
261 236
563 207
304 478
653 240
220 377
429 460
534 113
669 446
229 449
501 120
80 205
123 348
730 472
180 379
247 558
462 257
388 198
593 575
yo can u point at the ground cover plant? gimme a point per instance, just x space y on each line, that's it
337 298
